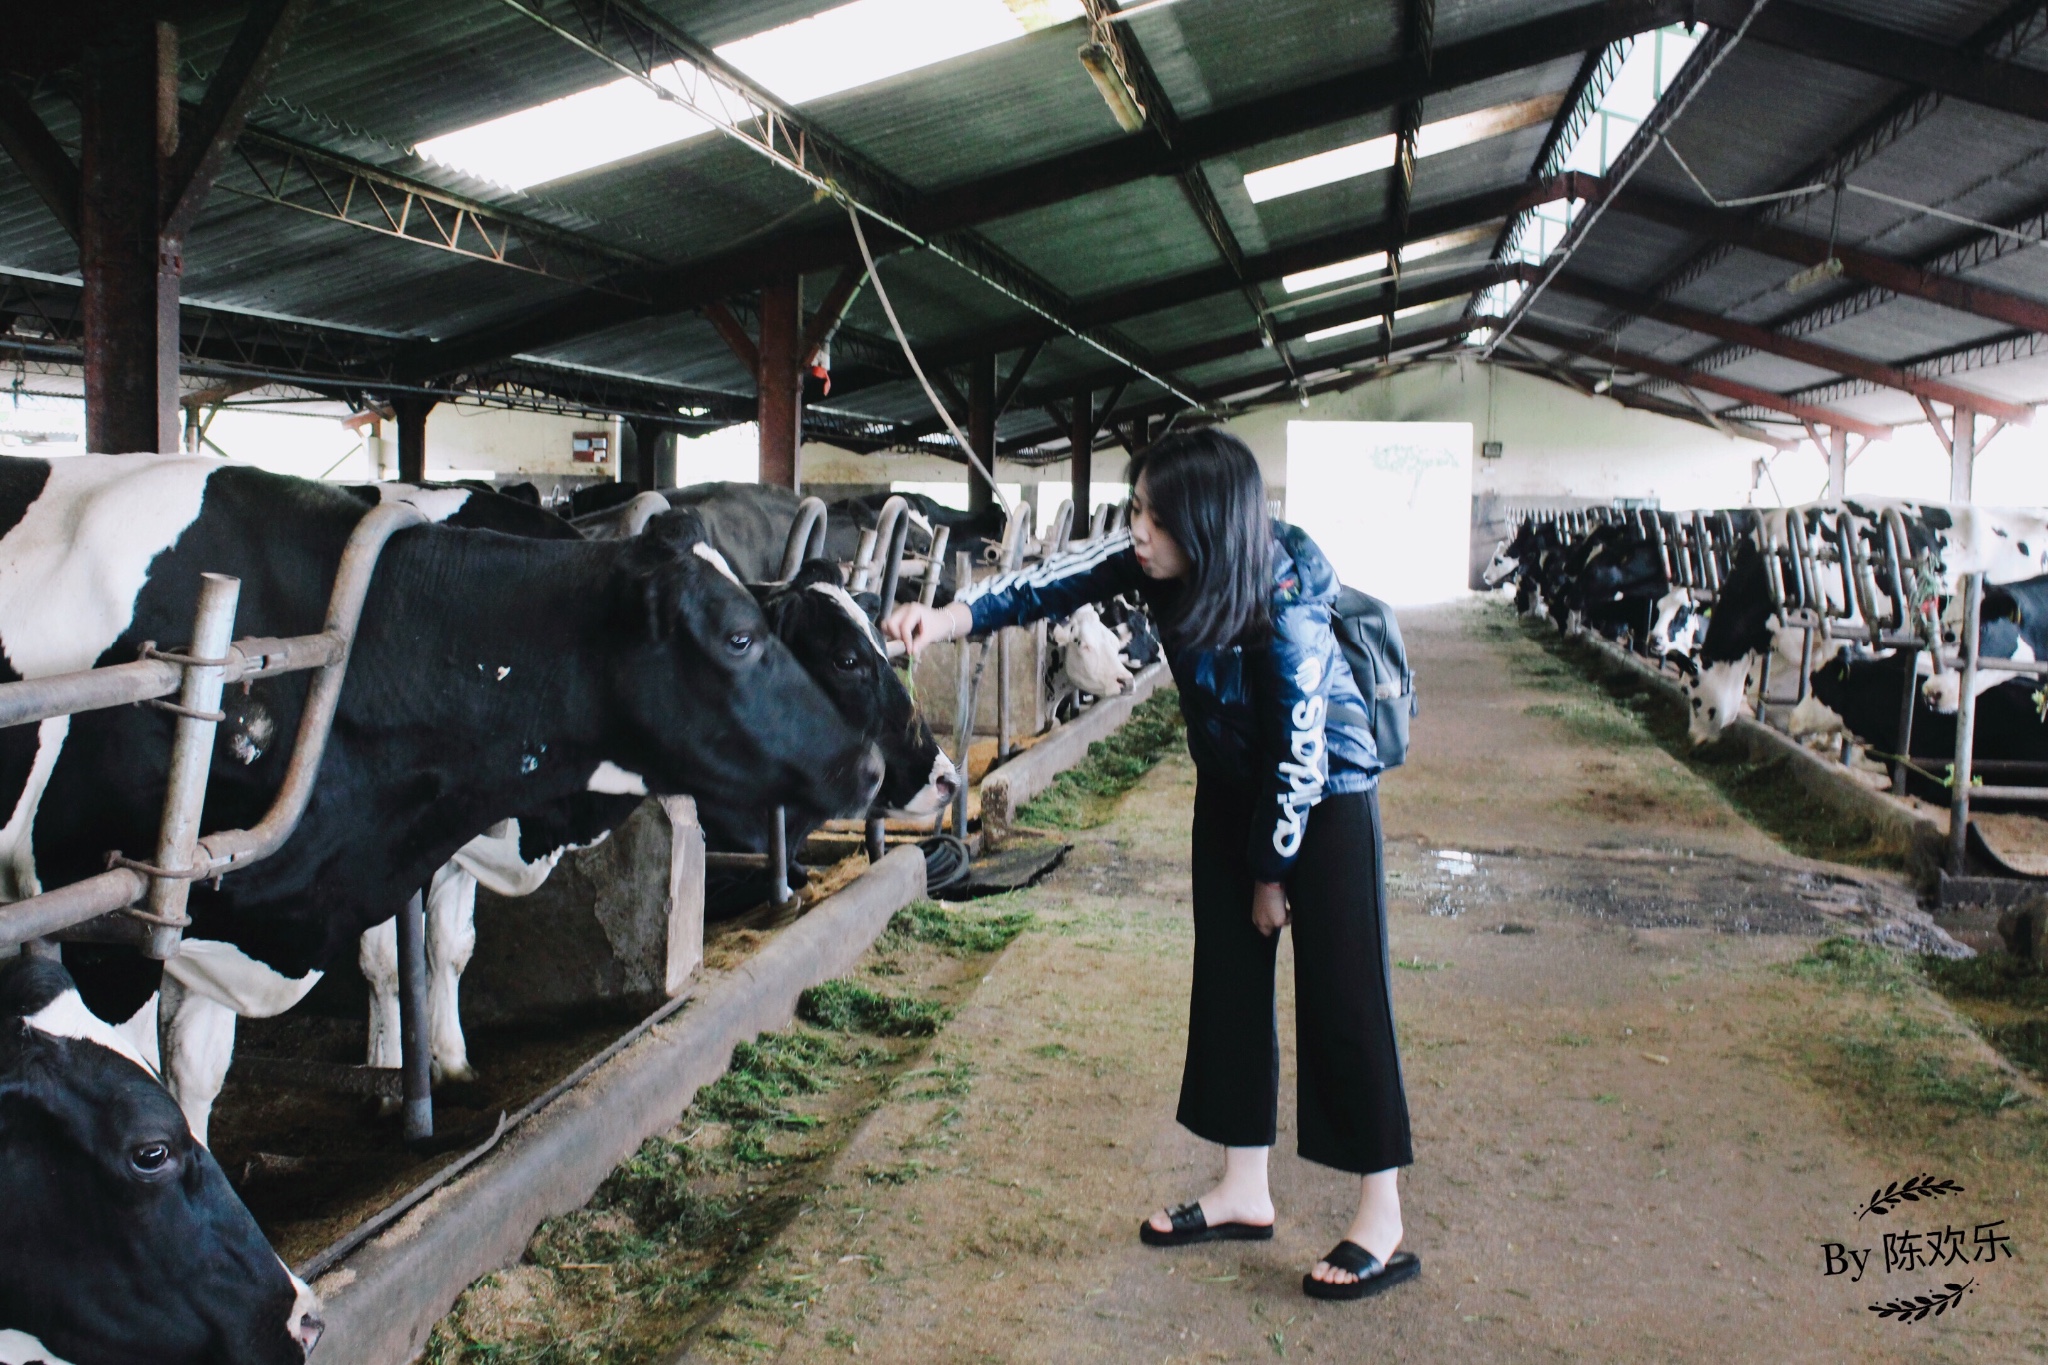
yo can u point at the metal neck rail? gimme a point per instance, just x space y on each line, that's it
77 910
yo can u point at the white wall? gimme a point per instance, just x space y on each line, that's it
1557 443
1390 503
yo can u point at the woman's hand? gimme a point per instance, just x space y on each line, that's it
1269 907
917 625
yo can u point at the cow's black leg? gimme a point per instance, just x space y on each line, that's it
415 1050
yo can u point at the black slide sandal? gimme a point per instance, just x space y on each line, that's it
1373 1276
1190 1225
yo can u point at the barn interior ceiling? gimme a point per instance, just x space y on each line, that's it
1788 219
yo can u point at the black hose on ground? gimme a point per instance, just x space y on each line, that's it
946 862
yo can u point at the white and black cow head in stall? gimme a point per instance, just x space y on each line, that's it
120 1240
491 673
833 637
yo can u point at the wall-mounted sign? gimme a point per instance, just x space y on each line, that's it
591 447
1489 450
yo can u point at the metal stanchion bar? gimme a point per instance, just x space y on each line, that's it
1966 727
779 894
415 1051
892 534
806 538
198 713
215 854
934 565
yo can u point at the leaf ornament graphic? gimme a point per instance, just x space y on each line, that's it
1922 1305
1910 1191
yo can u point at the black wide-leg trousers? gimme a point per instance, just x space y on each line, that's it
1353 1111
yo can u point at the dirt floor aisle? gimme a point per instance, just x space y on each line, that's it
1643 1109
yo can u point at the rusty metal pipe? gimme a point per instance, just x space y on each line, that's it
199 716
234 848
806 538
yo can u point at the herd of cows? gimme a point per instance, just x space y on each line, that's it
519 685
1837 621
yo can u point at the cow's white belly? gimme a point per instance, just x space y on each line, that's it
19 1348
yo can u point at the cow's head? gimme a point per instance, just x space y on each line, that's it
1093 660
1504 565
834 640
119 1237
716 706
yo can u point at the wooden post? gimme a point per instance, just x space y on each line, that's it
411 412
1081 433
685 893
1962 454
779 383
129 305
981 430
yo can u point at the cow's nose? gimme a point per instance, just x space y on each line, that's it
307 1331
946 784
872 769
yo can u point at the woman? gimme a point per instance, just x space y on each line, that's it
1286 831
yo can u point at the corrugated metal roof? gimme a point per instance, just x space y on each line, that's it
368 79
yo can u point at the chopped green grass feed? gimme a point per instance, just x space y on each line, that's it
1085 795
1594 721
960 930
849 1007
1897 1048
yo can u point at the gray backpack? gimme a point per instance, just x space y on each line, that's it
1371 640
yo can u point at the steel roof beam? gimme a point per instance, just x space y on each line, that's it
233 88
1840 40
1212 281
1728 388
827 245
738 108
1790 348
1885 272
1338 99
42 160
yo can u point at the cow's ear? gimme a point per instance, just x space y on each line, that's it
869 602
815 571
650 582
676 530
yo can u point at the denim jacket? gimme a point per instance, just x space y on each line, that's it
1284 715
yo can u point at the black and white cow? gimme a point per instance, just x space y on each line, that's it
120 1240
2008 546
490 675
832 639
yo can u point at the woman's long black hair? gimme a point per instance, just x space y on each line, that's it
1203 488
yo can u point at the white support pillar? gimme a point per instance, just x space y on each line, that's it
1838 464
1962 453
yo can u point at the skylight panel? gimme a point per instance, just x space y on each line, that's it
1377 261
1363 158
564 136
842 49
872 40
1341 329
1330 274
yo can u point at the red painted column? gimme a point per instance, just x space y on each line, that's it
129 307
779 384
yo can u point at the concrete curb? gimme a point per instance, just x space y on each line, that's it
1827 784
384 1299
1004 791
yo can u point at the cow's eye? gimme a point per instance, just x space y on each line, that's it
847 662
739 642
150 1158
